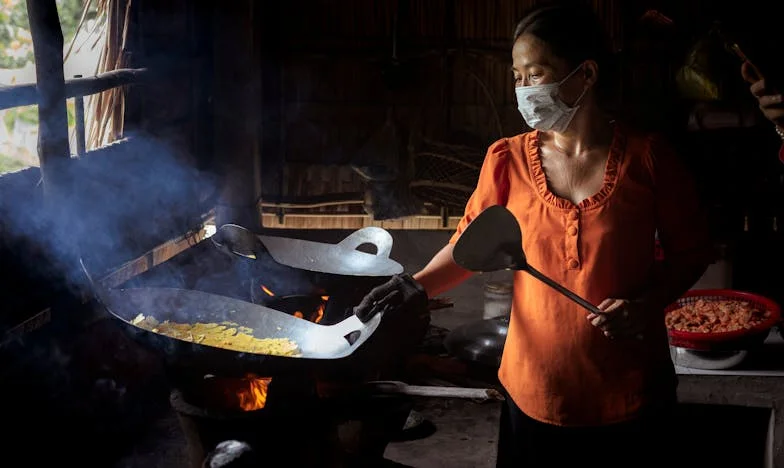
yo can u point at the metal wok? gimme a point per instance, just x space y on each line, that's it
297 267
319 345
343 258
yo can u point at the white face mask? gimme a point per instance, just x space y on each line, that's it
543 109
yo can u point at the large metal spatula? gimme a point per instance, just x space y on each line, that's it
493 242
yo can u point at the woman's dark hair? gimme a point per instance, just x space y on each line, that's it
574 34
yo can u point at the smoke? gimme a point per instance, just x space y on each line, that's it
124 200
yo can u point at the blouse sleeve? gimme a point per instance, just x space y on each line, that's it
492 188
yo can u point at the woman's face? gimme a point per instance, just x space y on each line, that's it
534 64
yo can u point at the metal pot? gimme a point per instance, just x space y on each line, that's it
480 342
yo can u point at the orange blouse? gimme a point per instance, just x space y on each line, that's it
556 366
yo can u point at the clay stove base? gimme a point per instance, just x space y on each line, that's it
332 434
300 435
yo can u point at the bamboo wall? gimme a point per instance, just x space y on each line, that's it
453 82
329 80
455 55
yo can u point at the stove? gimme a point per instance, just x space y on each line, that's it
306 420
296 420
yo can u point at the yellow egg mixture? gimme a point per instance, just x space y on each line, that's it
225 335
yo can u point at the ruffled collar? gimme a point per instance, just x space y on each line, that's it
611 172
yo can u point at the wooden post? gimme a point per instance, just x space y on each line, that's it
53 151
236 110
54 155
80 123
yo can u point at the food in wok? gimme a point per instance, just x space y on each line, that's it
225 335
716 316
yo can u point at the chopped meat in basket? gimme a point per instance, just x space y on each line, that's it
720 319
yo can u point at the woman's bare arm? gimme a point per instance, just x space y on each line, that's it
441 273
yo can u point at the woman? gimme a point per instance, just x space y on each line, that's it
589 195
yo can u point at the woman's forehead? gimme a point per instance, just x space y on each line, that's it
529 50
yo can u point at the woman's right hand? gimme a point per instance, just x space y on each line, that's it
405 321
401 293
768 98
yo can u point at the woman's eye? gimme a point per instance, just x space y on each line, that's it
518 80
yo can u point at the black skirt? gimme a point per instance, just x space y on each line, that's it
640 443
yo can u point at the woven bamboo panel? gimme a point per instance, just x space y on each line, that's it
353 222
366 22
334 92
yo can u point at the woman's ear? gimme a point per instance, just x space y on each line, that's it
591 72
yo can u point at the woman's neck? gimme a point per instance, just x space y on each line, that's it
589 128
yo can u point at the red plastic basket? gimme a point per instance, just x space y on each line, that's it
736 339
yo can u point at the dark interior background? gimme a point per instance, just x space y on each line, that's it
307 88
294 94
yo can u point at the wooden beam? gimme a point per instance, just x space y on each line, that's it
27 94
316 201
154 257
18 96
31 324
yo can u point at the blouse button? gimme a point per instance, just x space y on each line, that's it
573 263
574 215
572 231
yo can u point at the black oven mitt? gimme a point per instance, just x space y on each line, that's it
401 293
404 324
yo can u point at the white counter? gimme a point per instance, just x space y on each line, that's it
766 362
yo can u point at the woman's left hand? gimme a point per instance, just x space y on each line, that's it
622 318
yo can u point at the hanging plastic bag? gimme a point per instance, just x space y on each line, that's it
703 73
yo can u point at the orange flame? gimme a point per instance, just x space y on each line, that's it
250 393
254 397
247 393
320 311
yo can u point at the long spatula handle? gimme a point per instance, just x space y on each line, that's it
566 292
